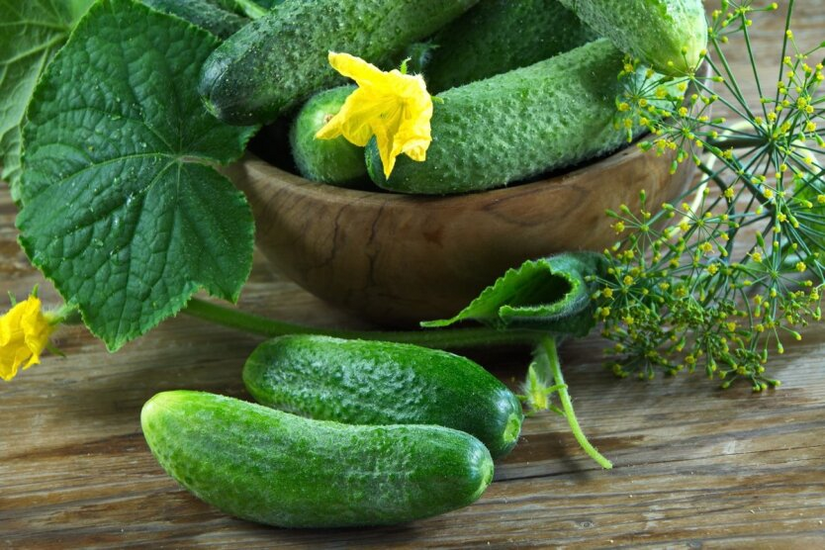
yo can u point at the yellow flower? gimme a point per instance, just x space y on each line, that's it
24 334
393 107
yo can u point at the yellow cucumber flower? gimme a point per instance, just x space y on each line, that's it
392 106
24 334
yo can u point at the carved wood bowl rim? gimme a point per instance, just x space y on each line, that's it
398 259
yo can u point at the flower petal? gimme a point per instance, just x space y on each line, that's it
363 73
393 107
24 334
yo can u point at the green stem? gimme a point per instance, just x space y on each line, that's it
441 339
738 142
550 359
251 9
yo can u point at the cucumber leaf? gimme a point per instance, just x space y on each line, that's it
31 32
122 208
548 294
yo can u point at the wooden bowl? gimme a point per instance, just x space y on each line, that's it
398 259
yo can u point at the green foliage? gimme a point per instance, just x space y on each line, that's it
739 271
547 294
122 208
32 31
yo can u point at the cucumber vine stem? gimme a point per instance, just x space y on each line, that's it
547 358
441 339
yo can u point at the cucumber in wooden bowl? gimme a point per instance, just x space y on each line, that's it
369 382
497 36
333 161
493 37
276 468
277 61
513 126
668 35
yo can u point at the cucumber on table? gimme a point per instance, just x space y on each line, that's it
272 467
273 63
497 36
668 35
368 382
334 161
516 125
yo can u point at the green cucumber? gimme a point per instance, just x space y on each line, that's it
497 36
272 467
277 61
493 37
333 161
202 13
516 125
668 35
369 382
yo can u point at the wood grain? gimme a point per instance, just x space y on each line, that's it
397 258
695 466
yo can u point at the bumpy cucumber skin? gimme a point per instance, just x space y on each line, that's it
278 60
655 31
212 17
497 36
272 467
360 382
516 125
334 161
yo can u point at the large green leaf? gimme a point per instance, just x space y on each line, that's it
122 209
550 294
31 31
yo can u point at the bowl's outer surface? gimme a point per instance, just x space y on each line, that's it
397 259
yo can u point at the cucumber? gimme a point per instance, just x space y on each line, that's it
493 37
333 161
266 4
497 36
668 35
369 382
272 467
280 59
516 125
202 13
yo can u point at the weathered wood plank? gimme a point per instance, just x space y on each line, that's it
695 466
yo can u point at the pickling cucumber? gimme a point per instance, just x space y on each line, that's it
668 35
333 161
369 382
497 36
278 60
493 37
272 467
213 17
516 125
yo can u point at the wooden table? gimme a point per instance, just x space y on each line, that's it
695 465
